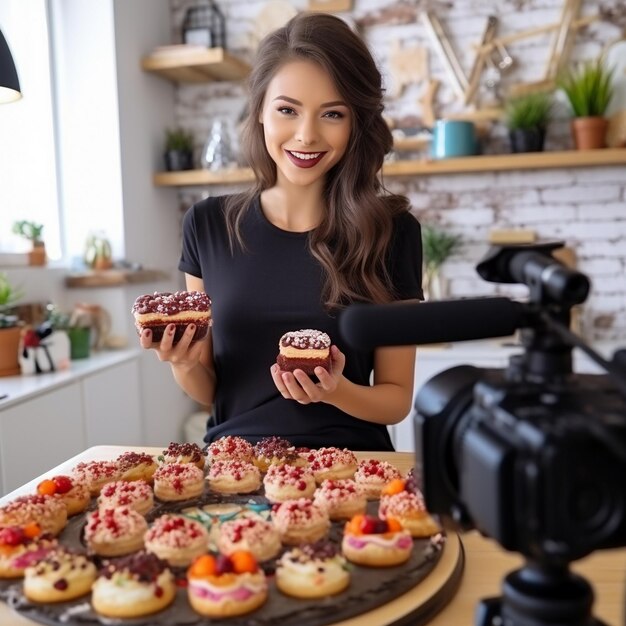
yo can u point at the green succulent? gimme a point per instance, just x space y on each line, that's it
9 296
589 88
179 140
529 111
28 229
438 245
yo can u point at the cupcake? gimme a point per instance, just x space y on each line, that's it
180 453
136 466
176 539
233 477
72 492
230 448
178 481
48 512
332 463
133 586
251 534
341 498
21 547
136 494
312 571
300 521
288 482
115 532
372 475
226 586
95 474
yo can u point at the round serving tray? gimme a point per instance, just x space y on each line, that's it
409 593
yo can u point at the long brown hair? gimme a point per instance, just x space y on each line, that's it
352 241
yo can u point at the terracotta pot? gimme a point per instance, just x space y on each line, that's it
37 256
9 351
589 132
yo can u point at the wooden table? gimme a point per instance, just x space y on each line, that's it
485 564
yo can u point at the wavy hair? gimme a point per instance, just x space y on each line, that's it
353 239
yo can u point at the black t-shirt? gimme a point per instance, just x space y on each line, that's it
272 287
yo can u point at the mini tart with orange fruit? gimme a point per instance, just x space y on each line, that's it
133 586
234 476
184 453
251 534
96 474
136 494
372 475
312 570
375 542
178 481
47 511
177 539
288 482
230 448
332 463
60 576
21 547
136 466
115 532
225 586
402 500
300 521
341 498
71 491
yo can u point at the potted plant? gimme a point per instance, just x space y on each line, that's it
98 253
178 150
32 231
10 329
438 246
589 89
527 117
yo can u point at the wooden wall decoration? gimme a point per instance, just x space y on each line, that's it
330 6
408 65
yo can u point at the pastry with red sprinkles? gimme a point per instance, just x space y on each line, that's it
136 494
158 310
376 542
136 466
177 539
226 586
230 448
60 576
332 463
305 350
234 477
312 571
133 586
71 491
48 512
96 474
372 475
21 547
115 532
341 498
178 481
300 521
288 482
275 451
252 534
184 453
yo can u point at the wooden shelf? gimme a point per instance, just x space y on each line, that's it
487 163
113 278
195 64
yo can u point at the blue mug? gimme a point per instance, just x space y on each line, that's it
454 138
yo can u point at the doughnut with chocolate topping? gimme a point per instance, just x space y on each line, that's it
181 308
304 349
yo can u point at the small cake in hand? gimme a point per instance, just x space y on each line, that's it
376 542
288 482
312 571
177 539
71 491
136 494
341 498
115 532
332 463
60 576
178 481
48 512
96 474
155 312
304 350
300 521
230 448
136 466
402 500
372 475
133 586
275 451
21 547
225 586
252 534
234 477
184 453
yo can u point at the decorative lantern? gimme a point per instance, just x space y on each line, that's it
204 25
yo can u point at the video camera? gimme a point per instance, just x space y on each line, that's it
533 456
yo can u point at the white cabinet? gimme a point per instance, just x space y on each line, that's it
39 434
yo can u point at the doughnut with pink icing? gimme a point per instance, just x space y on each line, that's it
230 448
234 477
341 498
48 512
300 521
372 475
332 463
252 534
136 494
288 482
178 481
177 539
96 474
115 532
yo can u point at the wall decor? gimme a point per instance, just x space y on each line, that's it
204 25
330 6
408 65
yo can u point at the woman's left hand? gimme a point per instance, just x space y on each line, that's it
298 386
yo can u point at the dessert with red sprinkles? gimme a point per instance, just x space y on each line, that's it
312 570
48 512
178 481
305 350
252 534
158 310
177 539
372 475
226 586
288 482
333 463
96 474
21 547
71 491
341 498
133 586
136 466
234 477
184 453
60 576
115 532
275 451
376 542
230 448
136 494
300 521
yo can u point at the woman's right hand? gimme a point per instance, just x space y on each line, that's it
183 355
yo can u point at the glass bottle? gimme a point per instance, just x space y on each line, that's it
217 153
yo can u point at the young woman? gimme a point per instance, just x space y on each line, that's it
315 233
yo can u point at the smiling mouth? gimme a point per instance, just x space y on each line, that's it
305 159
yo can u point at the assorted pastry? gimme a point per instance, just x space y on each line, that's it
305 350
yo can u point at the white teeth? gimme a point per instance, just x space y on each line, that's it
306 156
